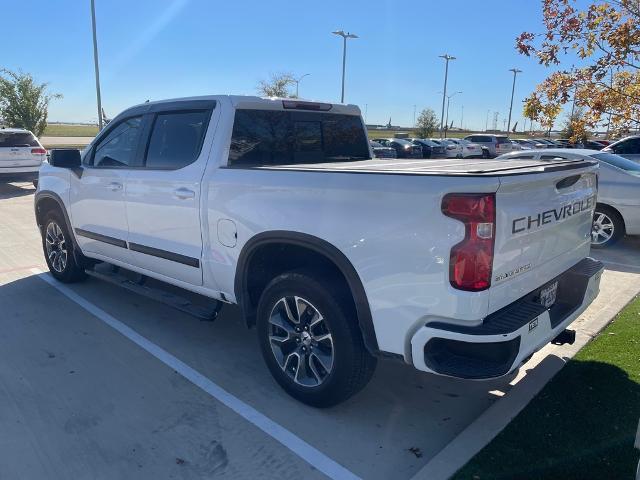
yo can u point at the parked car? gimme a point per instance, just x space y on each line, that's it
403 147
437 150
515 145
380 151
592 145
548 143
467 149
617 211
429 149
495 144
628 147
21 154
245 200
451 149
526 144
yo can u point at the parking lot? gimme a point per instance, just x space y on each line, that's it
96 382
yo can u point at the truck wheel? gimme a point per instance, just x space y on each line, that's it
59 251
310 340
607 227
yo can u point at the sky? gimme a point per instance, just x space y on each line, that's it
155 49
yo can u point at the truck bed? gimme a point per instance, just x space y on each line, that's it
462 167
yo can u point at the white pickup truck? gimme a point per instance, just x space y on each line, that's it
459 268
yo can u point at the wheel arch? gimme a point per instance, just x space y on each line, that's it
314 246
46 201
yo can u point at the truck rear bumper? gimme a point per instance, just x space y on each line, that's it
509 336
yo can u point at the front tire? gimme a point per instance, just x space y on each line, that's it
607 227
310 339
59 251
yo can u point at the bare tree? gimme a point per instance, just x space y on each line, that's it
277 86
23 102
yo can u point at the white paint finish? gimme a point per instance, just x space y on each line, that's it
96 204
227 232
548 250
314 457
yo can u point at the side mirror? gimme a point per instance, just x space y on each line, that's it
65 158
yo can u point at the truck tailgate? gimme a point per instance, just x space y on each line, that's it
543 227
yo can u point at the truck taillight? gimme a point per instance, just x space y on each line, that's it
471 260
38 151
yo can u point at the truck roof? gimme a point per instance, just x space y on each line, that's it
446 167
260 103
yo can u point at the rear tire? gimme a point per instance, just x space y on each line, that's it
607 227
59 251
310 339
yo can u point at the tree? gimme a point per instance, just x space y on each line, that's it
23 102
605 38
574 127
427 123
277 86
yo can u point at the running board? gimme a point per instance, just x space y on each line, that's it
115 277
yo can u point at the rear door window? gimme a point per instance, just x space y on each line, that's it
18 139
628 147
271 137
176 139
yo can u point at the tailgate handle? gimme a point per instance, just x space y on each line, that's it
567 182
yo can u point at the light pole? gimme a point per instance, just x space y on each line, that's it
297 80
462 118
414 116
446 124
95 61
486 122
513 89
446 57
344 36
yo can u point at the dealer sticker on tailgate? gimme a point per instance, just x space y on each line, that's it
548 295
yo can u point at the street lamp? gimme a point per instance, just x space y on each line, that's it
446 124
344 36
513 88
446 57
297 80
95 62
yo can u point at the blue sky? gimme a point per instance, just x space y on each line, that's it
170 48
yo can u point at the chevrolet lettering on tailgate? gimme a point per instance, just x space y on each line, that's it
535 221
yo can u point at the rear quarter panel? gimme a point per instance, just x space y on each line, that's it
390 227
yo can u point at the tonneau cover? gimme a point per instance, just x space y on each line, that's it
475 167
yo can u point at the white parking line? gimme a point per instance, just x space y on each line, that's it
312 456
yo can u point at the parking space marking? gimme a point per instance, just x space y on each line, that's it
311 455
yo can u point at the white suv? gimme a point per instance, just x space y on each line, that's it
20 153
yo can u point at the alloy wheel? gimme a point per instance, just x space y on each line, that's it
56 247
602 229
301 341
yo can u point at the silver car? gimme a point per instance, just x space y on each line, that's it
618 208
494 145
628 147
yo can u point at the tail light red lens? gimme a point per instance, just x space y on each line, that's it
38 151
471 260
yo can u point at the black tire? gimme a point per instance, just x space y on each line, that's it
69 270
352 366
606 220
485 153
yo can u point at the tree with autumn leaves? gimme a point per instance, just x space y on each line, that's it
604 37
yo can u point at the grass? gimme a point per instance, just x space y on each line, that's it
582 425
63 130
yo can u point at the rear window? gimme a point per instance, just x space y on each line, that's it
479 139
269 137
503 140
21 139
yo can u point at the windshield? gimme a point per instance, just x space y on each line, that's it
617 161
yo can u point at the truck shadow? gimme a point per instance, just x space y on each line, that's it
12 189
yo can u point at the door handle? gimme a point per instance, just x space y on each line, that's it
114 186
184 193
